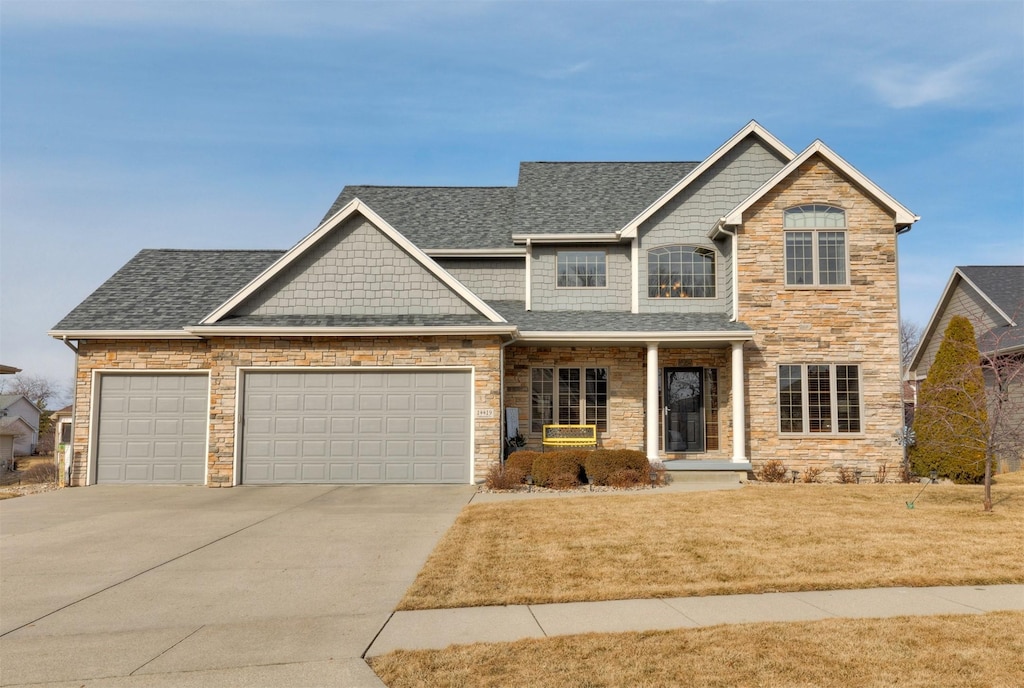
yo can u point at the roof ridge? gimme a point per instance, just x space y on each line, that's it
212 250
610 162
420 186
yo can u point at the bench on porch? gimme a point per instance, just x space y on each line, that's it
569 436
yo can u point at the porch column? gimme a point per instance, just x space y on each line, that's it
653 407
739 419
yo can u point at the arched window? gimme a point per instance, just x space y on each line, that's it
680 272
815 246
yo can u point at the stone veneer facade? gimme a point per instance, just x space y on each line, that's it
857 324
221 358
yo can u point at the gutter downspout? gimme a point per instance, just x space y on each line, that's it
529 274
69 455
501 397
735 269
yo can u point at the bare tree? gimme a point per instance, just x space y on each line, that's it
910 337
41 391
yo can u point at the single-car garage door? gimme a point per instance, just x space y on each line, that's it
379 426
152 429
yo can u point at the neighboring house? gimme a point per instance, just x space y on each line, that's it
19 420
714 314
63 422
8 370
992 298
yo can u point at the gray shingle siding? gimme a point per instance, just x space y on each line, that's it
547 296
356 270
489 278
688 218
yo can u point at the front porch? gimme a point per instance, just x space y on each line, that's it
695 389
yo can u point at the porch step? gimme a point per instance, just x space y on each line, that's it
694 471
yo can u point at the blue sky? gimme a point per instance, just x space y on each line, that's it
131 125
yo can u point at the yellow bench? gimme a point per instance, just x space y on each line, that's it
570 436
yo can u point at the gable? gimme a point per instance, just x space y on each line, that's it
818 151
353 266
982 294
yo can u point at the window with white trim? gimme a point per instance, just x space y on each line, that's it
819 398
568 396
582 269
815 237
680 272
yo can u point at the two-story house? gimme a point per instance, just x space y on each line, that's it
718 314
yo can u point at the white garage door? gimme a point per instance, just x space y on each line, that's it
376 426
152 429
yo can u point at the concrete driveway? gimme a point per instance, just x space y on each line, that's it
175 586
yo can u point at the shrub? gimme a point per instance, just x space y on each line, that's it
883 473
846 475
519 464
628 477
811 474
565 465
40 473
497 478
601 464
563 481
951 418
772 472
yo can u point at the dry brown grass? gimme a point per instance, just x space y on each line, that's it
911 652
759 539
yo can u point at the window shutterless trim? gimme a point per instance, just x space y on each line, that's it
604 273
693 249
833 400
813 210
555 397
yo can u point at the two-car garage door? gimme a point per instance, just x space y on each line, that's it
374 426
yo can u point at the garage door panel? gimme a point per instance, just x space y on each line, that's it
356 426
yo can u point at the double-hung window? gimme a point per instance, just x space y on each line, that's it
816 246
819 398
582 269
568 396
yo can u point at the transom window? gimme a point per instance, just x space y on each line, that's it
680 272
582 269
815 246
819 398
569 396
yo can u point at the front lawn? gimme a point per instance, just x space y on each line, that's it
762 538
912 652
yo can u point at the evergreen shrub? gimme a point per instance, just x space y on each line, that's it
951 418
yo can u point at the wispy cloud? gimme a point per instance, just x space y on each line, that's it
910 86
571 70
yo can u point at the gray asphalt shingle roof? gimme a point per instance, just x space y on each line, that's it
585 197
610 321
440 216
551 198
166 289
405 320
1003 284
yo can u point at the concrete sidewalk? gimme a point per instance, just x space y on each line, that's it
438 628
